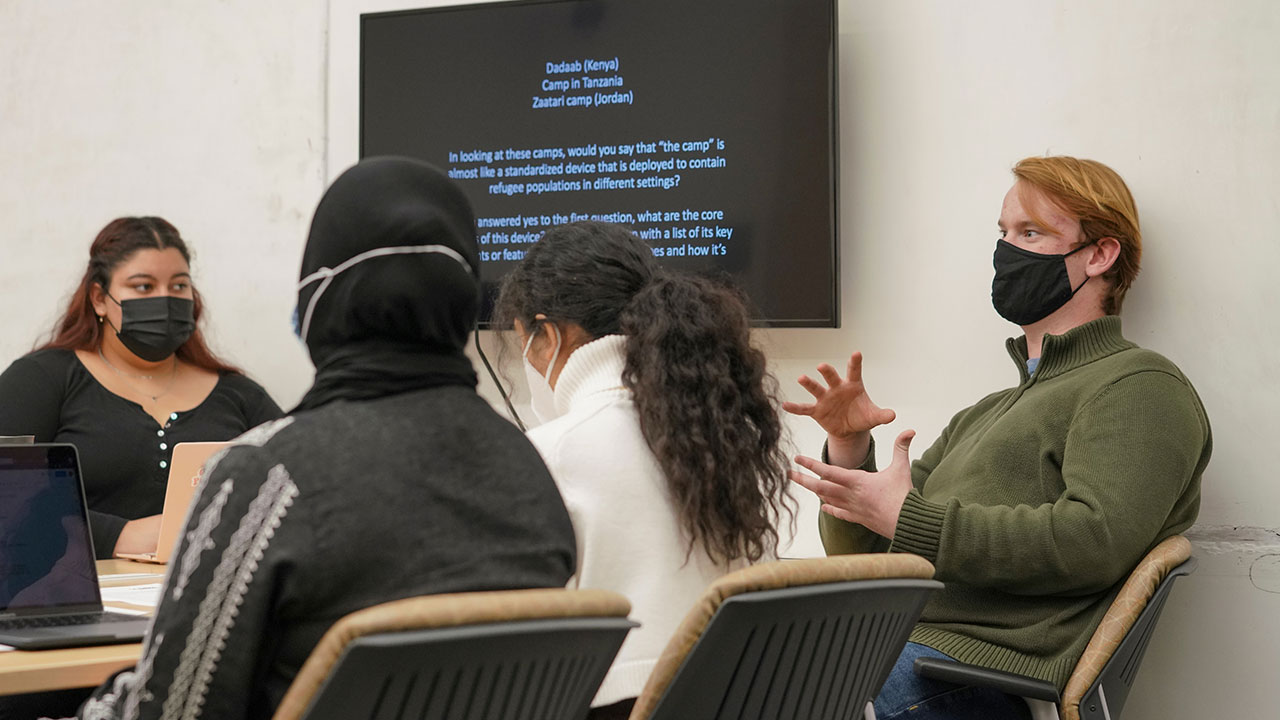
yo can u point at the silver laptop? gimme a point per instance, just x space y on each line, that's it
49 594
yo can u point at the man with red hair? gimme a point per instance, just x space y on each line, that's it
1036 502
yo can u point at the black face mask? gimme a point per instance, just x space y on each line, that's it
1030 286
153 328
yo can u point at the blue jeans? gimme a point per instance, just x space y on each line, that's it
907 696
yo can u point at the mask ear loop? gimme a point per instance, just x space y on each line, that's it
329 273
555 353
103 319
1073 252
524 352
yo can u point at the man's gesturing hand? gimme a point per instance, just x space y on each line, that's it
871 499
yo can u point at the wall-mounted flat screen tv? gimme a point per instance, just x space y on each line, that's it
708 127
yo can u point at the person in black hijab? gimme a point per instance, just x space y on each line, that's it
390 283
391 479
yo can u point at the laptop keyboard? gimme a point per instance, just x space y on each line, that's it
64 620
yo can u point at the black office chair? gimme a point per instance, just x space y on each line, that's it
1100 683
512 655
793 640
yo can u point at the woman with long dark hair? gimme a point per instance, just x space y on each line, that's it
126 376
661 427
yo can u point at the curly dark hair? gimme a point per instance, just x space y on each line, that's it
708 406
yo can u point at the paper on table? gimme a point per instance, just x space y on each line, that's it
130 576
127 611
6 648
145 595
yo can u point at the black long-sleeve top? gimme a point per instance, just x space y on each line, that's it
124 452
319 514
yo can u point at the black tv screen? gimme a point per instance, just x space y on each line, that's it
705 126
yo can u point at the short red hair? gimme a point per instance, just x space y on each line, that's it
1095 195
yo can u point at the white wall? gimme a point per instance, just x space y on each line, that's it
219 116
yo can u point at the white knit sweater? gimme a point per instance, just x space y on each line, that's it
628 532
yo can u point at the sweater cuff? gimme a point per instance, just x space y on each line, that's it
868 465
919 527
105 530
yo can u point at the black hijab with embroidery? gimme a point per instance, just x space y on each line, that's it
389 288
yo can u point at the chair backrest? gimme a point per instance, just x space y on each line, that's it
519 655
1100 683
806 639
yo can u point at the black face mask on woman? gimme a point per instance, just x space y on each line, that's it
154 328
1030 286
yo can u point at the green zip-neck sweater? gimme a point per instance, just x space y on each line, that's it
1036 503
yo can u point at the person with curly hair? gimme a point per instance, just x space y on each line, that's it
660 427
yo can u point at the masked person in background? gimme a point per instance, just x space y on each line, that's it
126 376
1036 503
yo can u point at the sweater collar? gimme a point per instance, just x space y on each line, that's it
1076 347
592 369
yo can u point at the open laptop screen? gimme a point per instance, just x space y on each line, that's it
46 555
